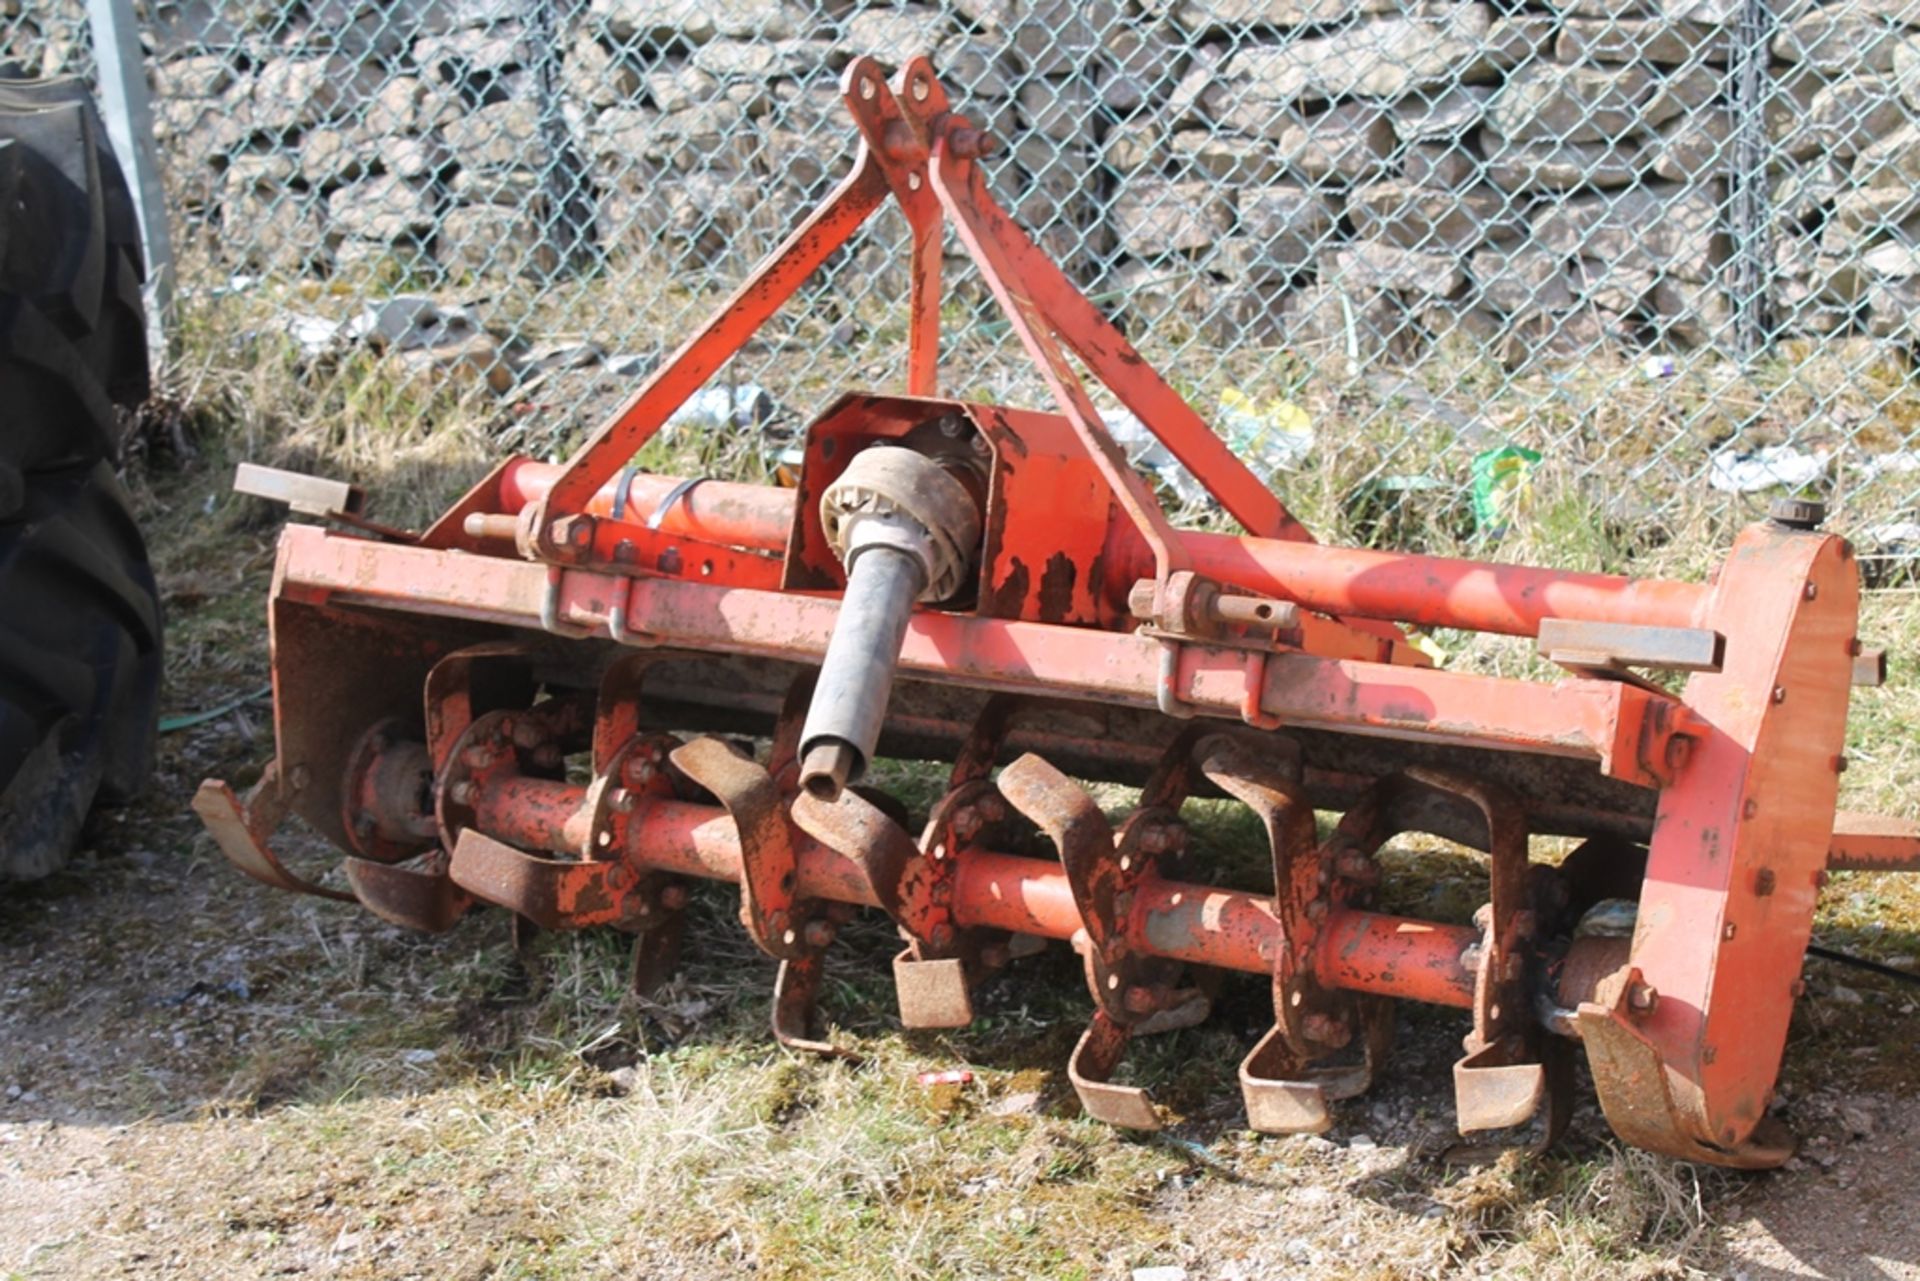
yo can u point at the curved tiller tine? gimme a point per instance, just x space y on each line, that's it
1507 1077
781 924
241 827
420 897
1511 1083
1283 1079
932 975
1127 988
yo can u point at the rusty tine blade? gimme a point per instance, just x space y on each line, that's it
418 899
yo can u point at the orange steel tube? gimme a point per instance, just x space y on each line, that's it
1439 591
1428 591
755 517
1360 951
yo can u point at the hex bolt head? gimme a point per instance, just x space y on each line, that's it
1643 998
673 897
621 800
462 793
941 935
1141 999
965 822
819 934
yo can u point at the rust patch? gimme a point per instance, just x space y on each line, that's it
1710 844
1011 592
595 898
1056 588
1004 435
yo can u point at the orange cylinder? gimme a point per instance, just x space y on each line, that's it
755 517
1229 929
1427 591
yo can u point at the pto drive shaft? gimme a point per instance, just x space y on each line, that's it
906 528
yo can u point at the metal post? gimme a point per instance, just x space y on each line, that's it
1751 273
121 69
566 224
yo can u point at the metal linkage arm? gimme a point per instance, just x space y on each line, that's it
702 355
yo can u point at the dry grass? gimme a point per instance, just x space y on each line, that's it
379 1105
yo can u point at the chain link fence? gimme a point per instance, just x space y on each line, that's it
1434 268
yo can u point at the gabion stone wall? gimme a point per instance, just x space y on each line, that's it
1543 178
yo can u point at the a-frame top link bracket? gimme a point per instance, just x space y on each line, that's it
914 147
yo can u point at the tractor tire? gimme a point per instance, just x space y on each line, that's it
80 634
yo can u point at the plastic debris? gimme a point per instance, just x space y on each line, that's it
738 405
1735 471
1903 462
957 1076
1899 533
1890 554
409 322
1659 366
1502 485
543 357
1269 436
1144 451
313 335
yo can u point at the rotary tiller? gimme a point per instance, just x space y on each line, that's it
538 702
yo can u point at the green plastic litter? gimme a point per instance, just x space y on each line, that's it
1500 479
187 720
